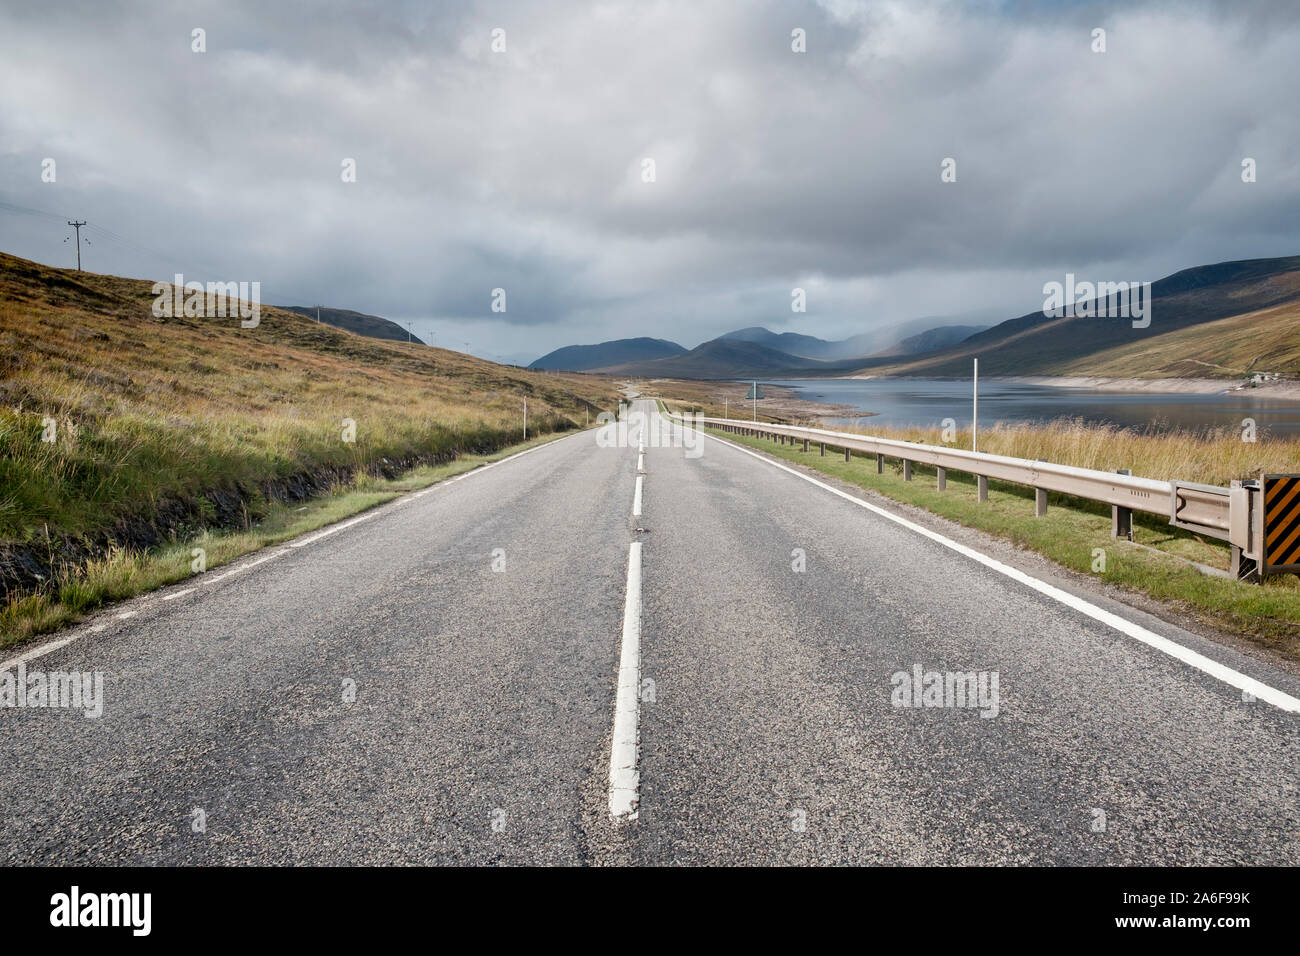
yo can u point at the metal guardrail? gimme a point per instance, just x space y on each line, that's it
1230 514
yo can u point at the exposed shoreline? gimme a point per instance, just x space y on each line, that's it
1289 389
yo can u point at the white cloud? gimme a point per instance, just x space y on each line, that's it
521 170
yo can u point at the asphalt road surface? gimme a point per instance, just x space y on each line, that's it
437 682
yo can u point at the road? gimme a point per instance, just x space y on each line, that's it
437 682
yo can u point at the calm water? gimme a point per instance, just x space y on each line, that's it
929 401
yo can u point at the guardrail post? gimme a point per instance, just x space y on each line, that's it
1040 502
907 469
805 444
1121 518
880 463
823 449
846 454
943 478
983 484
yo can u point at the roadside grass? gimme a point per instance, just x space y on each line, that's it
1213 456
125 436
1075 533
125 573
144 411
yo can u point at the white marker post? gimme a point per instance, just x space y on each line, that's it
525 419
975 411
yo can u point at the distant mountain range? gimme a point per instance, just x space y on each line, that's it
371 326
802 346
748 352
582 358
1226 320
729 358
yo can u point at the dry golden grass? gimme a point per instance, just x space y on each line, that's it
1214 456
154 414
1267 340
1211 456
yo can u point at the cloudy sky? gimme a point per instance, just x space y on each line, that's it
523 168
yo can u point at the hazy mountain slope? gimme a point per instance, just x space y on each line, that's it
1035 344
371 326
581 358
930 340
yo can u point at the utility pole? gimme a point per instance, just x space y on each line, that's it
77 226
408 332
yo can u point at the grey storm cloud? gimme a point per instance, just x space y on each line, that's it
522 169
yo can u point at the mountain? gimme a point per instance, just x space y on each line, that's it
730 358
931 339
791 343
759 352
371 326
1267 340
582 358
1036 344
905 338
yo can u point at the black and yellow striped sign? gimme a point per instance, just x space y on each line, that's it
1281 521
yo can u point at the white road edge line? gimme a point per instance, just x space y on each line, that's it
636 498
1260 690
242 568
624 778
376 512
35 652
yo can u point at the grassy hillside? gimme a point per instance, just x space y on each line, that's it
1188 301
1267 340
166 427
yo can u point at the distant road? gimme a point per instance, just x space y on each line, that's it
483 721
